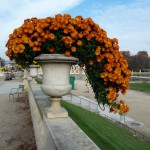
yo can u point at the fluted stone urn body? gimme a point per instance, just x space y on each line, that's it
56 73
33 72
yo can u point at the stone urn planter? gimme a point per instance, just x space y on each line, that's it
56 72
33 72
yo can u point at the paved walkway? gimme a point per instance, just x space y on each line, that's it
6 87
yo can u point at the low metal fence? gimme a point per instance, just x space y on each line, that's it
131 130
90 105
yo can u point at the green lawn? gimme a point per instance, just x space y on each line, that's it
145 87
105 134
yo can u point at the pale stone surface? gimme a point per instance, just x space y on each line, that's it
55 58
58 133
68 136
55 111
25 83
50 113
33 72
56 72
1 74
56 91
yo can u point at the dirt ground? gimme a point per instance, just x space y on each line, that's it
16 130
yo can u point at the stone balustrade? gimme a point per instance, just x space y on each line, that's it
52 134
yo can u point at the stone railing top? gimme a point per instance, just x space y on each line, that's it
65 133
55 58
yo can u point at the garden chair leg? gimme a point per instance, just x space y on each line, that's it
9 97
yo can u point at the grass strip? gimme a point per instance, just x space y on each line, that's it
104 133
140 85
144 87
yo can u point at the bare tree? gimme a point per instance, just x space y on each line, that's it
140 61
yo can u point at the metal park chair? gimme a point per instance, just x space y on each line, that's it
20 90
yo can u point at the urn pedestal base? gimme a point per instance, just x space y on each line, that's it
33 80
55 110
62 113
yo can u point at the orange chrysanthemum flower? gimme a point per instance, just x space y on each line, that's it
105 66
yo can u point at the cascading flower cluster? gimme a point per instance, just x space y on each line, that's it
123 109
105 67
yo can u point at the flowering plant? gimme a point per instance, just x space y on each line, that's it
123 109
105 67
1 68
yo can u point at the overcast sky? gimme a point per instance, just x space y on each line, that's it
127 20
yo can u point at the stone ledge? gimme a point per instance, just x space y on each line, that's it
60 133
